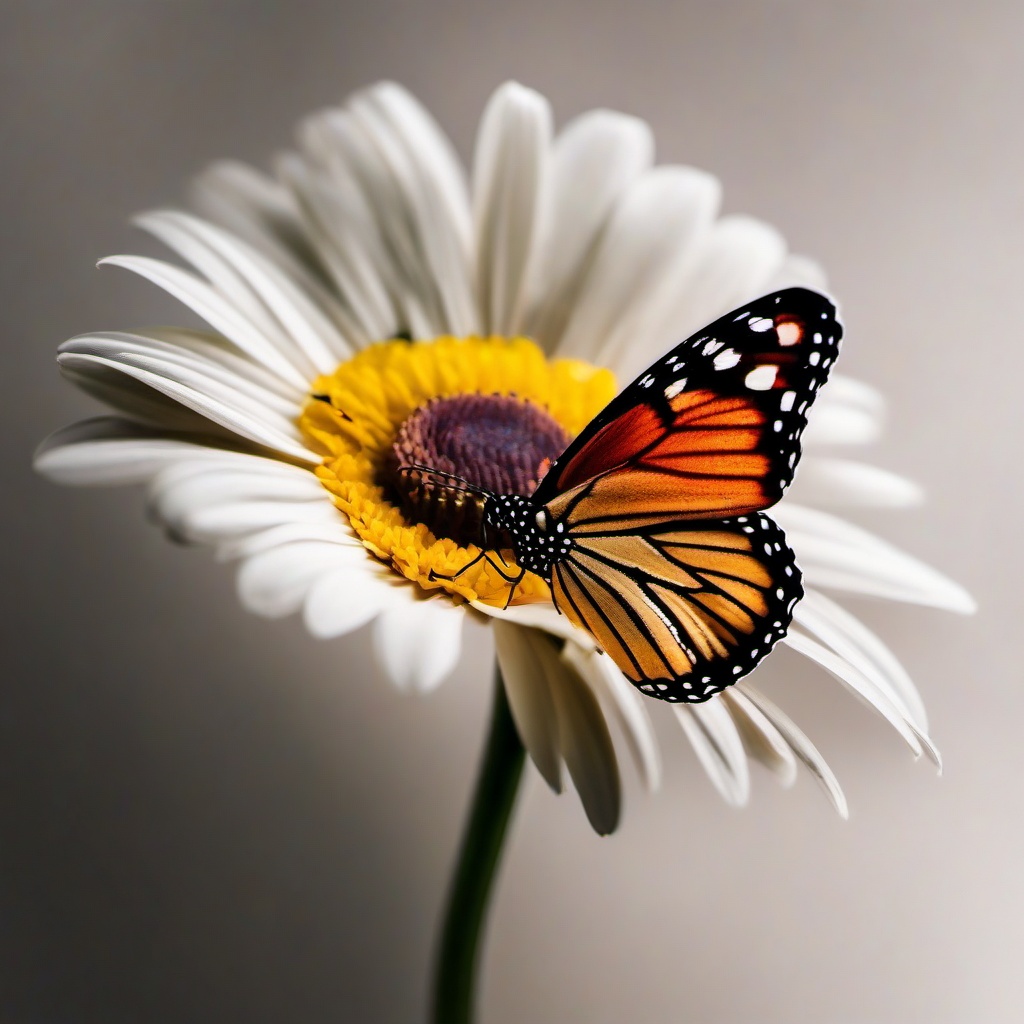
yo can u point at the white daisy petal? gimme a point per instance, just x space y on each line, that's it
419 644
261 210
837 555
804 749
266 295
509 172
359 154
107 451
630 711
340 225
732 262
344 599
214 401
217 524
585 741
195 358
867 690
529 698
204 300
798 272
846 411
852 640
434 191
594 160
844 482
761 739
716 741
644 251
337 533
276 582
537 616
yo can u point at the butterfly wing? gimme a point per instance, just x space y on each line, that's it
712 429
672 568
684 608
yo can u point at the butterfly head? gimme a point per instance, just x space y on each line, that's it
537 539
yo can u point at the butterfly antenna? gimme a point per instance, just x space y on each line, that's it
471 488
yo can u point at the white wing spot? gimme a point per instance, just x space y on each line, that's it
761 323
789 333
712 347
814 358
762 378
726 358
787 401
675 388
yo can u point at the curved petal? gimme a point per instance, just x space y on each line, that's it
530 699
835 554
868 691
418 644
276 582
713 735
263 292
509 171
344 599
585 741
852 640
204 300
804 749
761 739
628 707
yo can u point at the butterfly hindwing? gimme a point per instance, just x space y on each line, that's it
711 429
685 608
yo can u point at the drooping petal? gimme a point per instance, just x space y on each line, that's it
418 644
713 735
628 707
584 739
761 738
804 749
530 699
852 640
509 181
867 690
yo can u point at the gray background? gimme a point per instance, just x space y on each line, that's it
208 818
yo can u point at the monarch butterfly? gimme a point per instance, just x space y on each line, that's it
649 528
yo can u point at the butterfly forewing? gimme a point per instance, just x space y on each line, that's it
717 418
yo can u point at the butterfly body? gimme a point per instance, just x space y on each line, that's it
650 527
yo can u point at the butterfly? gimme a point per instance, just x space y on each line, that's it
650 527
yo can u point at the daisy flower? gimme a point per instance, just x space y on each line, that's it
370 310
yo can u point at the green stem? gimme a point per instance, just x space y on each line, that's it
459 956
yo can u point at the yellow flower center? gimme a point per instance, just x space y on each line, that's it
373 412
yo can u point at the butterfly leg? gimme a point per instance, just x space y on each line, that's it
514 581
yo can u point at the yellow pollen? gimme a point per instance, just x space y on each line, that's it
354 414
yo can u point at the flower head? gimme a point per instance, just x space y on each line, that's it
371 314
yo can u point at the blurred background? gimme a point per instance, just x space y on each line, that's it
204 817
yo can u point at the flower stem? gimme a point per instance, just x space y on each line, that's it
496 788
